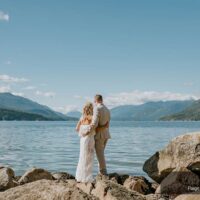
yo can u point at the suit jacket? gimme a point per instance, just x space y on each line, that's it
101 116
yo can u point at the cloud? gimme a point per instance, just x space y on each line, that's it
188 84
8 62
18 94
4 89
66 109
4 16
29 88
45 94
9 79
86 98
139 97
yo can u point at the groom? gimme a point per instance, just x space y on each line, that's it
101 117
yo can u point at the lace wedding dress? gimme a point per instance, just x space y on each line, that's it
86 157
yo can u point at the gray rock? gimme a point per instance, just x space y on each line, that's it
139 184
182 151
62 176
179 181
7 178
45 190
192 196
108 190
35 174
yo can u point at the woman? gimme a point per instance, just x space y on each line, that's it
87 143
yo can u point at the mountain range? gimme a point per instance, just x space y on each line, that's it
154 111
191 113
150 111
75 114
12 105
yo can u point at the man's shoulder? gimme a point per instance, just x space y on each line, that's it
100 107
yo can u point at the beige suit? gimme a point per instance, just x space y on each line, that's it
100 117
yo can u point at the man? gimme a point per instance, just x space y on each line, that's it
101 117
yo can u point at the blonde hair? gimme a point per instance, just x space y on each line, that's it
88 112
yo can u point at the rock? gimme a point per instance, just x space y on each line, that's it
154 186
45 190
7 178
179 181
193 196
35 174
17 178
139 184
182 151
86 187
108 190
152 197
62 176
118 178
115 177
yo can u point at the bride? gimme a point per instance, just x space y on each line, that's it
87 145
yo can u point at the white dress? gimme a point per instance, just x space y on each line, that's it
86 156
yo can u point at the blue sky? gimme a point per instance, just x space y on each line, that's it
61 53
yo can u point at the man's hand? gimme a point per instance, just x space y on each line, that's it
85 134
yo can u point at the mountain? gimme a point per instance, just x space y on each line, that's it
9 115
150 111
191 113
75 114
21 104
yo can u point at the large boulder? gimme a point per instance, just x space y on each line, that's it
118 178
179 181
62 176
6 178
139 184
35 174
105 188
45 190
193 196
182 151
108 190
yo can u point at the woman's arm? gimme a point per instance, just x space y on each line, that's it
78 126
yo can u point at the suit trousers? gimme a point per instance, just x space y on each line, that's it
100 145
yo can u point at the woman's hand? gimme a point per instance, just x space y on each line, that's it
100 128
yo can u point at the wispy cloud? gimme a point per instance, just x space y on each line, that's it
5 89
10 79
29 88
66 109
139 97
8 62
18 94
4 16
45 94
86 98
188 84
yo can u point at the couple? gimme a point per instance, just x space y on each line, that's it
93 129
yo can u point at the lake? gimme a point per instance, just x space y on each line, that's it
55 145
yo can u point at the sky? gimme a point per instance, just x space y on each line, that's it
62 53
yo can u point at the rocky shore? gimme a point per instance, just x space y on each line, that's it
174 169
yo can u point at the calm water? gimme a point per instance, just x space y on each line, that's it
55 145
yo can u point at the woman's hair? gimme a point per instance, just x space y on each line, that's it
88 112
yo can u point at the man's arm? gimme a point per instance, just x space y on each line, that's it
95 121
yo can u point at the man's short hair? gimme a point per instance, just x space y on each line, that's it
99 97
